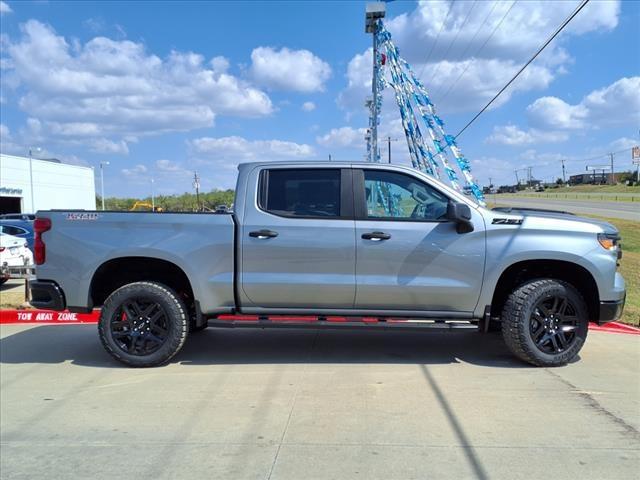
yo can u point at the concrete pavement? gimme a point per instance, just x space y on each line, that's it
623 210
292 404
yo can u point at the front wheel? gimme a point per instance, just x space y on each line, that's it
143 324
545 322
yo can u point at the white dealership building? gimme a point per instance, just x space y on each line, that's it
28 185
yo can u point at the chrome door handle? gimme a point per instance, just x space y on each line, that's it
262 234
376 236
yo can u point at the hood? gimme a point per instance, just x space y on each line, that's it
553 214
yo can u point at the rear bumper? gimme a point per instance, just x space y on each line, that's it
46 295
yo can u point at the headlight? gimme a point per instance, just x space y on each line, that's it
611 242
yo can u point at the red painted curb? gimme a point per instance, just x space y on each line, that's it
49 317
46 317
615 327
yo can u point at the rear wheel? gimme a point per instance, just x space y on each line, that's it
143 324
545 322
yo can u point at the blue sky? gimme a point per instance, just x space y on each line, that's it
160 89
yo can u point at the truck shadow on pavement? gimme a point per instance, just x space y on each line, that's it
50 344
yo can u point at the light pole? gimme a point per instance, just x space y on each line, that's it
374 12
33 203
102 164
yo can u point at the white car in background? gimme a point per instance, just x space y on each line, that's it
13 253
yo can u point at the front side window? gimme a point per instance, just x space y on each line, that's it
301 192
392 195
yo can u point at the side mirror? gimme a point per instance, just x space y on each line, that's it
460 213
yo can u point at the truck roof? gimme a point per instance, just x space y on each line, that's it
323 163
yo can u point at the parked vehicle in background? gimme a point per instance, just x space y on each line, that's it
13 253
357 241
18 216
19 228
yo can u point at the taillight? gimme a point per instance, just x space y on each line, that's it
40 225
2 249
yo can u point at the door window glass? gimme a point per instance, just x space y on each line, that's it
9 230
392 195
302 193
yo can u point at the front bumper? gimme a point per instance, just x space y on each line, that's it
611 311
46 295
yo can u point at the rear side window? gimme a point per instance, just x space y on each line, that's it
311 193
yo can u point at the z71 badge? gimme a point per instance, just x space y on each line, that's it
507 221
82 216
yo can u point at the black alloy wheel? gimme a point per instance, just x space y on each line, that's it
140 326
553 324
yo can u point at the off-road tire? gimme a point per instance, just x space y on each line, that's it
517 317
176 317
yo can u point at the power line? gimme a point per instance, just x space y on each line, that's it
475 55
495 4
555 34
433 46
454 40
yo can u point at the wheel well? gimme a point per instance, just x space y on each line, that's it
569 272
115 273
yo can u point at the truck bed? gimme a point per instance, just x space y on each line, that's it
201 244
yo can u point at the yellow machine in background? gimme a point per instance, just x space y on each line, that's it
141 205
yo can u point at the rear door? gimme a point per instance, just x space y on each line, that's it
298 240
409 256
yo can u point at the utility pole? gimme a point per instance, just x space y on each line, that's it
374 12
389 140
517 179
102 164
196 185
564 180
490 182
153 198
613 175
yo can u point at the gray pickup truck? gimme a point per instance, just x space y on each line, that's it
343 244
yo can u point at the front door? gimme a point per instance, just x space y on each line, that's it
409 256
298 240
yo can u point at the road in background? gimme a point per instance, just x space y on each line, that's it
292 404
623 210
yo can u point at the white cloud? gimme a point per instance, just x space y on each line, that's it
623 143
551 118
5 134
240 149
285 69
616 104
103 145
344 137
4 8
135 172
459 51
167 167
108 88
512 135
308 106
552 112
